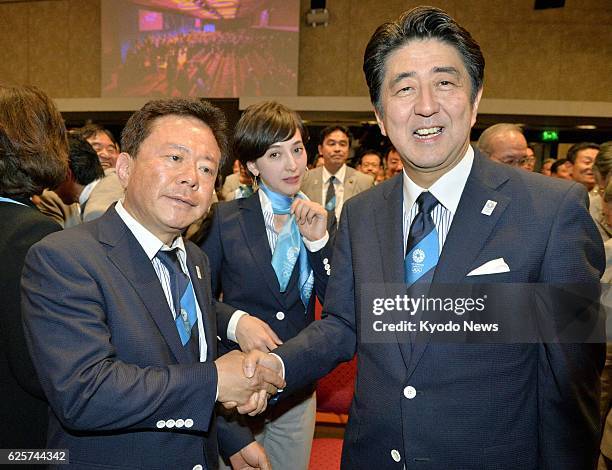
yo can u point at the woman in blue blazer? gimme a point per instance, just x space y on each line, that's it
269 256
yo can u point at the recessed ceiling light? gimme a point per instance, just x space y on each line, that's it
586 126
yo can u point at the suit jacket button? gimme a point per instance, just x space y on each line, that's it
395 455
170 423
179 423
410 392
198 467
280 316
188 423
325 260
160 424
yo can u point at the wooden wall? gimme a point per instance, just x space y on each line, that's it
558 54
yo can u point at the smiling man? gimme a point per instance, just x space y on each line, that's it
333 183
119 316
452 217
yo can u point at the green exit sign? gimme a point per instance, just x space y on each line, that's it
550 136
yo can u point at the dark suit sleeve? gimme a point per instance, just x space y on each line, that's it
11 326
318 260
324 343
66 319
568 374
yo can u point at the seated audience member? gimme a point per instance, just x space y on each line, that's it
381 175
370 163
601 170
319 161
119 316
504 143
582 156
332 184
530 160
252 245
33 156
562 168
546 164
103 142
393 163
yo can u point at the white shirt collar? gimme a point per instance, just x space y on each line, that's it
149 242
449 187
339 174
87 191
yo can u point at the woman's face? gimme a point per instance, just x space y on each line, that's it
283 165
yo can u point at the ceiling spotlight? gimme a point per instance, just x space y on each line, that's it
587 127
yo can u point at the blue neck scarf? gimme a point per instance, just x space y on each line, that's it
289 247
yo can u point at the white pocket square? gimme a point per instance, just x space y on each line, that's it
494 266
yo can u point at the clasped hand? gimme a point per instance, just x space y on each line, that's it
246 386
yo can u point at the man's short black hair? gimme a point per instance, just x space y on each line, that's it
84 162
336 127
555 166
572 153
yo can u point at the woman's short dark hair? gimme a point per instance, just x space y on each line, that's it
262 125
417 24
33 143
139 125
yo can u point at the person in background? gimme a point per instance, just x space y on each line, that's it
370 163
601 170
103 142
505 143
33 156
530 160
582 157
546 164
269 257
334 183
562 169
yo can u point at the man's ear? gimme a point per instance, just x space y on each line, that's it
380 122
123 167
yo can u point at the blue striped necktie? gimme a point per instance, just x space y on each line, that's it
182 296
422 248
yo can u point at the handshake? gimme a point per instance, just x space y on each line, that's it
246 381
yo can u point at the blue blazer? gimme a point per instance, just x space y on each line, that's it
109 356
241 267
463 406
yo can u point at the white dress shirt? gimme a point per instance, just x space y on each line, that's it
151 245
447 190
338 187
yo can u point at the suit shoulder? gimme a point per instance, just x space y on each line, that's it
311 175
365 198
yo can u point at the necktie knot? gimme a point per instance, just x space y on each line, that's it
426 202
170 259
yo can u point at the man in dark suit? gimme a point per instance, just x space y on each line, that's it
119 316
442 405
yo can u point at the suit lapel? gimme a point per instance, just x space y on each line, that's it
468 233
201 287
388 214
128 256
349 183
254 233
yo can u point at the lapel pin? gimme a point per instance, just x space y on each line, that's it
198 272
488 207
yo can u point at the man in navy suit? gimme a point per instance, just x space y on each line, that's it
119 315
434 405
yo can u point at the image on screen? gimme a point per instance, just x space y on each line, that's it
209 48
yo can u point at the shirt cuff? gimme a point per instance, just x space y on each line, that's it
317 244
282 365
233 323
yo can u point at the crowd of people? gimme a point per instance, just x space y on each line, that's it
147 325
201 63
